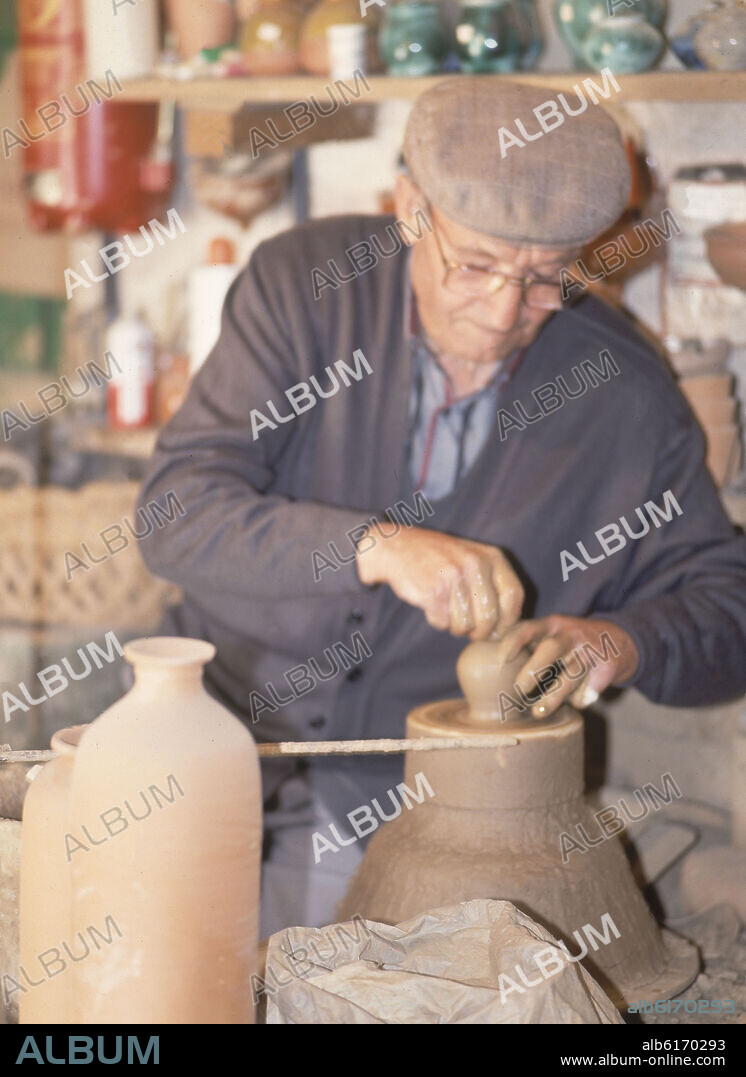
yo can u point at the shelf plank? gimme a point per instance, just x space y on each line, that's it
230 94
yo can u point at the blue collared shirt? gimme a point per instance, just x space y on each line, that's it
446 434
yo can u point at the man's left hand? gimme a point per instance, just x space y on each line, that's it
572 658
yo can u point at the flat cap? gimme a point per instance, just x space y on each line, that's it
467 147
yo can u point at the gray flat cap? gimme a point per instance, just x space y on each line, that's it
467 149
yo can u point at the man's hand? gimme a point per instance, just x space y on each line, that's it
572 657
465 587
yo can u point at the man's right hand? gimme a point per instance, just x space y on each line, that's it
461 586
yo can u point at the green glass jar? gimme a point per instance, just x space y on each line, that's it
625 44
576 18
412 40
491 36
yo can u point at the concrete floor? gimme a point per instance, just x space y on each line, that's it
722 940
658 848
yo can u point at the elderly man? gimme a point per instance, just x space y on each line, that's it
511 439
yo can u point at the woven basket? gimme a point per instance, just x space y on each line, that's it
39 524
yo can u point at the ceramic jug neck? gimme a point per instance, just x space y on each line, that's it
170 664
184 679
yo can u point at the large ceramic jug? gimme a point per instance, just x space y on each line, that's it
50 946
201 24
167 785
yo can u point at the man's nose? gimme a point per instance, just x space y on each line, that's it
502 309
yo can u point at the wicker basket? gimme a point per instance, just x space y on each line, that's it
37 588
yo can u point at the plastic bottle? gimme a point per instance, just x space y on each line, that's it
207 289
130 395
125 39
85 162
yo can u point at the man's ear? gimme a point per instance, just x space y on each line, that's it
408 200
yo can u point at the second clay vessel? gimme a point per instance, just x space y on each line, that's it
46 991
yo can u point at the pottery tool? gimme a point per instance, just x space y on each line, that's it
383 746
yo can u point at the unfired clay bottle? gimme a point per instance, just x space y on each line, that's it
167 784
46 892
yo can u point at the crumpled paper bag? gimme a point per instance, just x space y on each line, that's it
471 963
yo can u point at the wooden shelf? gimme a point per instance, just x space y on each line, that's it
231 94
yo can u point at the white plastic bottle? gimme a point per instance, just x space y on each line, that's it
131 391
207 289
122 37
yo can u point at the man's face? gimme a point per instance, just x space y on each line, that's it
475 328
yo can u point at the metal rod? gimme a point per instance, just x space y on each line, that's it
326 747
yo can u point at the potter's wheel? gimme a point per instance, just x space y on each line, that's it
452 716
492 830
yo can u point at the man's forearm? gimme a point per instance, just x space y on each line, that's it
238 543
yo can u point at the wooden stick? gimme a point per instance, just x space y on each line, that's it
7 756
384 746
326 747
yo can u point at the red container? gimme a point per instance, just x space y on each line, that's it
88 168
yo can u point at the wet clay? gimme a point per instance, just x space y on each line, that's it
489 684
492 830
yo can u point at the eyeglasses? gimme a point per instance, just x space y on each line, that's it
537 293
